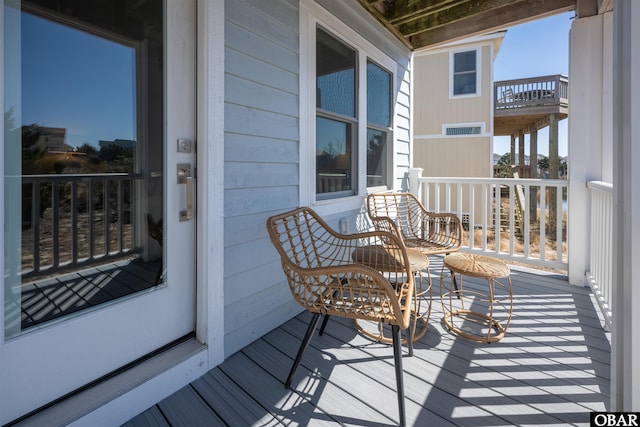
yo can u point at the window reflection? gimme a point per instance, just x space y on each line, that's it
84 106
335 119
379 92
333 156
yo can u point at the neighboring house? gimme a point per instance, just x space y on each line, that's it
52 140
453 107
287 103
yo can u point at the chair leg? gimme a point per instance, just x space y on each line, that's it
324 324
303 346
397 358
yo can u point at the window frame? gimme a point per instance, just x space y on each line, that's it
478 91
313 16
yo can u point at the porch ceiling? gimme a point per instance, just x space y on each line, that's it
427 23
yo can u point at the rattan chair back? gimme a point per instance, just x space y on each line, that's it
402 213
341 275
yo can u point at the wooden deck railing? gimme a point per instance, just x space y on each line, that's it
531 92
69 221
600 276
500 210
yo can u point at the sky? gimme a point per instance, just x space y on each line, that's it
537 48
77 81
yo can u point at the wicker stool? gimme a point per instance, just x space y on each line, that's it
488 313
421 310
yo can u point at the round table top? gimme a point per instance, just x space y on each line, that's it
476 265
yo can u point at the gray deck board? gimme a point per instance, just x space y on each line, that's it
551 368
186 408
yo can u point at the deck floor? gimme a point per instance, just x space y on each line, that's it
552 368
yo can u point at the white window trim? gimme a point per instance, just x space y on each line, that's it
311 16
478 92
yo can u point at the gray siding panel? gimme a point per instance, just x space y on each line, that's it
246 228
254 70
249 121
254 200
261 162
244 175
276 29
257 148
259 96
262 132
251 44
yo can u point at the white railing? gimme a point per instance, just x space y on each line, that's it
600 277
501 210
75 220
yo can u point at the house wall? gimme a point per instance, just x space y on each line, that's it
435 153
453 156
432 104
266 150
261 138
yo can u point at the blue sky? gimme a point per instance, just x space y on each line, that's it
537 48
77 81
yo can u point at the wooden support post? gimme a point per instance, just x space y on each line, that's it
521 150
513 150
533 165
554 168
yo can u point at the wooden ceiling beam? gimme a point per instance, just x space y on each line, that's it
401 11
491 20
455 13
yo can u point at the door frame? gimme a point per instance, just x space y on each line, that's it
210 95
178 368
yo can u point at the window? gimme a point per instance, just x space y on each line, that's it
465 73
336 117
378 124
348 83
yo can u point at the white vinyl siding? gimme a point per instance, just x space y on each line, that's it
260 161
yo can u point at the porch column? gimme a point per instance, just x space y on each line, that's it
586 61
625 370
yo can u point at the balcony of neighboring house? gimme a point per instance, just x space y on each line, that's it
523 106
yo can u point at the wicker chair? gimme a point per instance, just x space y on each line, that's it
326 276
431 233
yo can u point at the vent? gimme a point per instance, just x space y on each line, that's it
467 130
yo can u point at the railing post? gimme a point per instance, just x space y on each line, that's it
414 181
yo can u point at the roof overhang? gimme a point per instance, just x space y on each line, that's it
429 23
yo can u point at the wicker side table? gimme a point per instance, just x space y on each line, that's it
421 310
471 312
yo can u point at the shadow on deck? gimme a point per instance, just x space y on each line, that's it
552 368
46 299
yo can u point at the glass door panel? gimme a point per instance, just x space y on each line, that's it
99 263
83 153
